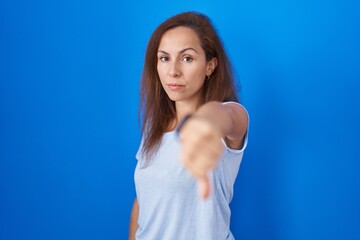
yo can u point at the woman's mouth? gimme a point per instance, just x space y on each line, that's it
175 86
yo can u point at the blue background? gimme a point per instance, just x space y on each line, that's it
69 85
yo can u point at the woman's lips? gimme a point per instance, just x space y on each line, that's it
175 86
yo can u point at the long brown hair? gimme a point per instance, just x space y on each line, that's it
156 110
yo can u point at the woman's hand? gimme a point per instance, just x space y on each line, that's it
201 147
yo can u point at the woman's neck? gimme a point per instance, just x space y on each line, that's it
183 109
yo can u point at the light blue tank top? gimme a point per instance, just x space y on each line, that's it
169 204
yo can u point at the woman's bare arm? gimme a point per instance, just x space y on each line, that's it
201 138
230 119
133 226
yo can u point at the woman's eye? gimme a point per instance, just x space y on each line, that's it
187 59
164 59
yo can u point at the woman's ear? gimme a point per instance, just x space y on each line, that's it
211 65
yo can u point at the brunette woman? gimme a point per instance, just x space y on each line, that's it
194 133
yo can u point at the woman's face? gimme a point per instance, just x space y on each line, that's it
182 65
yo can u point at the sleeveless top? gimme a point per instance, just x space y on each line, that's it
169 203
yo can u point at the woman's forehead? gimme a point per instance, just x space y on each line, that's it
180 38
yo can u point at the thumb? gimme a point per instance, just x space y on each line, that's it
204 187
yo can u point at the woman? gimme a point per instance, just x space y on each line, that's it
194 134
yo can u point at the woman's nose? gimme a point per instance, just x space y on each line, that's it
174 70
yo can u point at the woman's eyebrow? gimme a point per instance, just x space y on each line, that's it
161 51
180 52
186 49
